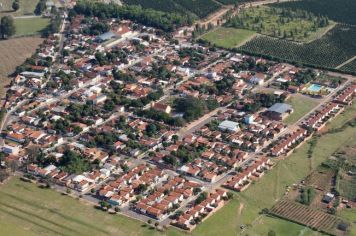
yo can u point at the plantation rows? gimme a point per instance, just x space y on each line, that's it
161 5
348 188
304 215
334 48
200 8
229 2
342 11
349 67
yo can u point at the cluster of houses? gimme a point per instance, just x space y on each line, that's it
253 171
288 142
189 219
138 180
166 198
89 103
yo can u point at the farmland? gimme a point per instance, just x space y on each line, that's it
329 51
304 215
228 37
280 23
200 8
30 26
342 11
349 67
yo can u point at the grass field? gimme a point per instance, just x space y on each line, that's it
27 7
13 52
228 37
30 26
27 210
301 105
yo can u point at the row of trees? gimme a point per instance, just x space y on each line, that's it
149 17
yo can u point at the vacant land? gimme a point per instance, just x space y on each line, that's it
30 26
13 52
27 7
228 37
281 23
301 106
331 50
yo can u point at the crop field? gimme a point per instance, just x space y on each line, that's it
228 2
27 7
306 216
296 25
13 52
200 8
228 37
334 48
342 11
30 26
347 187
349 67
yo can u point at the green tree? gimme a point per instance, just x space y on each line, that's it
15 5
271 233
7 27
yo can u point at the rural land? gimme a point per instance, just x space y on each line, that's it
178 117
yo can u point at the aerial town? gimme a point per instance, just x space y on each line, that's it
164 129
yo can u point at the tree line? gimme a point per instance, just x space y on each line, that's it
161 20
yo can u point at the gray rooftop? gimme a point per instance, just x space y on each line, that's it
280 108
106 36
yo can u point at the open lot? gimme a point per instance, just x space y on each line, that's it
301 105
30 26
12 53
228 37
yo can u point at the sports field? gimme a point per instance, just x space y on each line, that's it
228 37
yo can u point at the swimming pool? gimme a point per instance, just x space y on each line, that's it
314 88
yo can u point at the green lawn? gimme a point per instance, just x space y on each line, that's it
30 26
301 105
27 7
350 215
228 37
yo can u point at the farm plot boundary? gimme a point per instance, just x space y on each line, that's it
298 213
